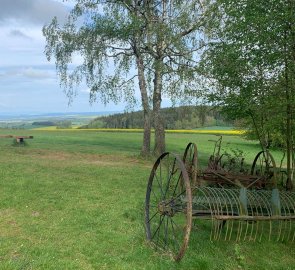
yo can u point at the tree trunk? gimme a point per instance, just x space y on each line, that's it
158 119
289 137
146 145
289 148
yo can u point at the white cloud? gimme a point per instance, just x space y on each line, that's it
28 72
35 73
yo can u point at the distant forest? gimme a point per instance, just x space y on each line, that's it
184 117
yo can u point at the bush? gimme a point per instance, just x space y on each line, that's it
64 124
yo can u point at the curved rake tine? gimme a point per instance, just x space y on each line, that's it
217 212
226 202
286 202
250 208
205 192
222 204
267 202
229 212
292 203
238 207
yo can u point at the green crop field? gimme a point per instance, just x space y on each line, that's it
75 200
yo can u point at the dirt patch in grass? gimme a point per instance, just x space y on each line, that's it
119 162
52 155
9 226
92 159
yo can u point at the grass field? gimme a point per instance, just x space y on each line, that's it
74 200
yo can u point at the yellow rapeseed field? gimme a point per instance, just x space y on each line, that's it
188 131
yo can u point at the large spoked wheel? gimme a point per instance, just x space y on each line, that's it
190 160
168 206
264 166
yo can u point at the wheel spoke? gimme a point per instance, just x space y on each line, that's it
175 224
170 175
176 197
158 228
174 234
153 216
162 192
155 195
166 233
176 185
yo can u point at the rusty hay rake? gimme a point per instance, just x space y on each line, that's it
230 205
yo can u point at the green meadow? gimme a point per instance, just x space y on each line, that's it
75 200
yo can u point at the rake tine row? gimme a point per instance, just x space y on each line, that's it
242 214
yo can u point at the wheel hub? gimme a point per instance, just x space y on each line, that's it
166 208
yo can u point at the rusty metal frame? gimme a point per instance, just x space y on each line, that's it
237 206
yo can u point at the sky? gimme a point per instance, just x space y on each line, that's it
28 82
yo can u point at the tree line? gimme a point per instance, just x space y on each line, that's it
59 124
184 117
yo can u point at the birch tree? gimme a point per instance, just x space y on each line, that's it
108 37
152 43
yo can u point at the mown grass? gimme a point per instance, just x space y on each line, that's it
75 201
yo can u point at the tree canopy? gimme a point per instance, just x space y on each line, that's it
121 43
251 66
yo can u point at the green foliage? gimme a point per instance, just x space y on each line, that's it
233 160
44 123
95 123
252 65
64 124
239 257
101 40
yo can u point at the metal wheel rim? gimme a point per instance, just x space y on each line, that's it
153 233
190 159
273 183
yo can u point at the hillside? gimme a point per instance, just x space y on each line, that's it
184 117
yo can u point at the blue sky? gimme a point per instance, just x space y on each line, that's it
28 82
